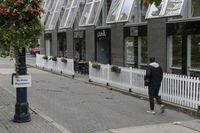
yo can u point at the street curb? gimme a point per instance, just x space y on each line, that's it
41 114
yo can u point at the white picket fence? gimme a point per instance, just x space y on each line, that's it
177 89
56 66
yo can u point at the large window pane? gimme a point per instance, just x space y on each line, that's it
69 3
143 10
114 10
47 7
144 55
195 51
56 12
129 51
85 15
176 51
195 8
173 7
62 24
126 9
93 13
155 11
70 14
70 19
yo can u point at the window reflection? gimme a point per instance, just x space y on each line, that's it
176 51
144 50
94 12
129 52
115 8
195 51
195 8
126 10
85 15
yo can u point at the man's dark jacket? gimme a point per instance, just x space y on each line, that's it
154 74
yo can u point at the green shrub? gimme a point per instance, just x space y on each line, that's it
96 65
45 57
115 69
64 60
54 58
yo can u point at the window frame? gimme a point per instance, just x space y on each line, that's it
119 11
73 16
96 17
55 9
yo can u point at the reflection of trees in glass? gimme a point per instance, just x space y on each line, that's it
126 9
85 14
176 51
173 8
195 8
62 24
144 50
114 10
195 51
94 13
143 9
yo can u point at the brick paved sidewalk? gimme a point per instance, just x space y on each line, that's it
37 125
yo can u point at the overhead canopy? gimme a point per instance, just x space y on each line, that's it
91 12
120 11
69 14
167 8
54 15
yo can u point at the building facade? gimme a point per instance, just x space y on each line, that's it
125 32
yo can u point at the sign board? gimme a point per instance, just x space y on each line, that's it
21 81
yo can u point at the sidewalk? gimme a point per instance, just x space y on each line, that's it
37 125
177 127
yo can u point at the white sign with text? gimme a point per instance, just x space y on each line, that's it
22 81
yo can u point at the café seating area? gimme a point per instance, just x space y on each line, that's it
81 66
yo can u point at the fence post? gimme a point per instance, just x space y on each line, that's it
130 82
89 71
108 74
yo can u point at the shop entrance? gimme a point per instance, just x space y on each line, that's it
79 45
62 46
103 46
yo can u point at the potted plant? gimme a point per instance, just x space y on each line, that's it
96 65
64 60
45 57
54 58
115 69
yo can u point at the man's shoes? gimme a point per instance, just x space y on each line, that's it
151 112
162 108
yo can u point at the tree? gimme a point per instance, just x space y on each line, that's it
20 25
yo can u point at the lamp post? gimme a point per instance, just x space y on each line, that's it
21 107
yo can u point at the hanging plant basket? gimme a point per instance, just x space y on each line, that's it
96 66
146 2
64 60
45 57
115 69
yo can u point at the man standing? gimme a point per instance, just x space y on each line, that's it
154 75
